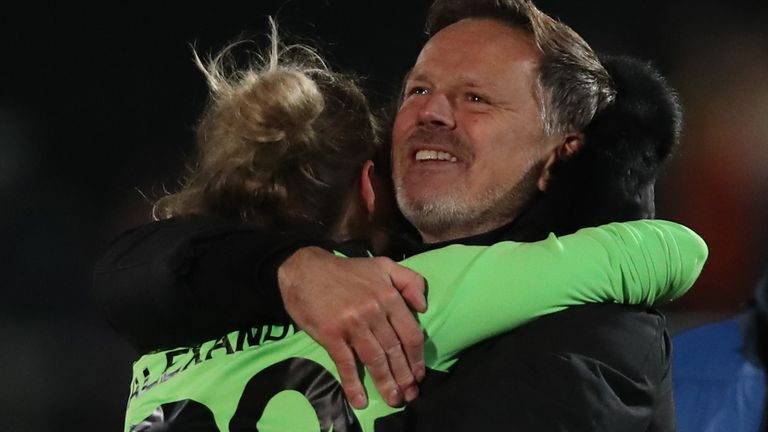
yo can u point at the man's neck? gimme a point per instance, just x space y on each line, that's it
482 239
447 235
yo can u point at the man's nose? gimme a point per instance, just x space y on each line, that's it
437 111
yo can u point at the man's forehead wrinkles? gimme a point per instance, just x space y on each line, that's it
462 79
471 80
417 75
426 76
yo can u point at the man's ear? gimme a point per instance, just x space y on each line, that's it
366 187
570 145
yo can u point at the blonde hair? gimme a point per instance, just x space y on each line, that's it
280 143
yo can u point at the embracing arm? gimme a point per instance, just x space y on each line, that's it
176 281
478 292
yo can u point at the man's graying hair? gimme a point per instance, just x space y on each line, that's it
573 85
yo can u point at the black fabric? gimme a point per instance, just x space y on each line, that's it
178 281
755 330
590 368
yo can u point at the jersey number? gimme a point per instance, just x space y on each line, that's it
307 377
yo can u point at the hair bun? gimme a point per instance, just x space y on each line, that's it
274 105
277 104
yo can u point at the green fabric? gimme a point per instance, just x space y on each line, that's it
474 292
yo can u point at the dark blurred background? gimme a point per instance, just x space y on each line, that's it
98 106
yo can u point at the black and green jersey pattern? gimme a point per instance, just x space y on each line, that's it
276 378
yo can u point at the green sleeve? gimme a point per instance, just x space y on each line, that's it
477 292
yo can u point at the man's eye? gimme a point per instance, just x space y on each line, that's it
416 91
472 97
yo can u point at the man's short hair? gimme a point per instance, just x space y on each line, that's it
572 84
626 145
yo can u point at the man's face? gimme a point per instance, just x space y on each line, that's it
467 143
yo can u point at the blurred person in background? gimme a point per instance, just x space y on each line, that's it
719 371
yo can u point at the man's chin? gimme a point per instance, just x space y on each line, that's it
434 215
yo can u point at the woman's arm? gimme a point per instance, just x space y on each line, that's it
478 292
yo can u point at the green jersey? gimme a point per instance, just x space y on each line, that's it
276 378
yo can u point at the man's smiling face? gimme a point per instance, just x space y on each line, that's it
468 142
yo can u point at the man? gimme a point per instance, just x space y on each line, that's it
491 111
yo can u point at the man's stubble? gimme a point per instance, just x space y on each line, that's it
455 213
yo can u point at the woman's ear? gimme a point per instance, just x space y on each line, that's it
366 187
571 145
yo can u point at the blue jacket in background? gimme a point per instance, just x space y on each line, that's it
718 382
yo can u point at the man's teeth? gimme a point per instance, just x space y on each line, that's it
422 155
